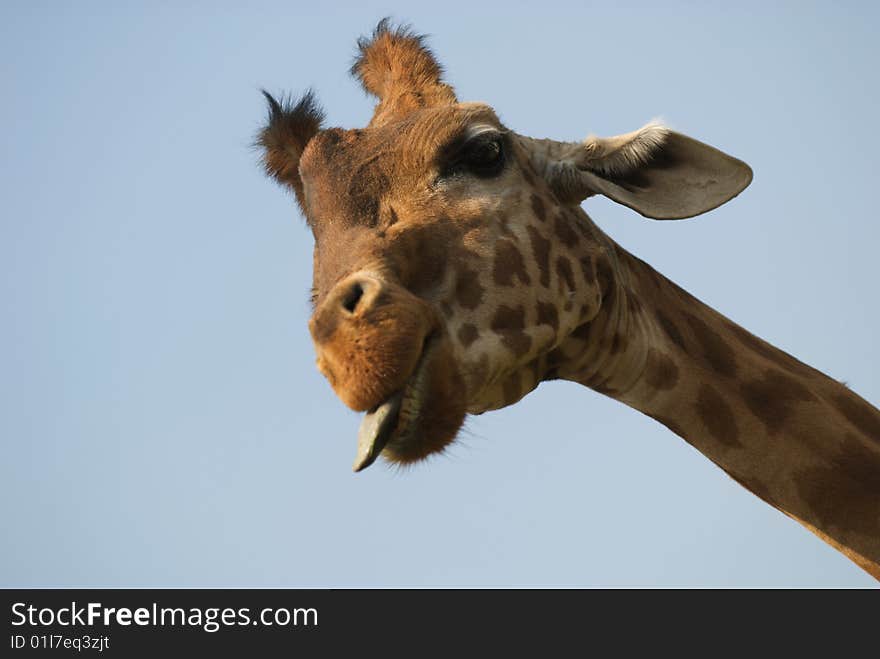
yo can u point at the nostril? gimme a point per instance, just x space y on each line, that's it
352 297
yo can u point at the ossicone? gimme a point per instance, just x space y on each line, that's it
396 66
289 128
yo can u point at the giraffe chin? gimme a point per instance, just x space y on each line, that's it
421 418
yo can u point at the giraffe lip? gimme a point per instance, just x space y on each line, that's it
382 422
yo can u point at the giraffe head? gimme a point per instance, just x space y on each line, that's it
452 261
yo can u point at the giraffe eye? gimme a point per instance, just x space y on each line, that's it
484 156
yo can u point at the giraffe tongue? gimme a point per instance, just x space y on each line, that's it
375 431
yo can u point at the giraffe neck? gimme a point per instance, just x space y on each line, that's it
796 438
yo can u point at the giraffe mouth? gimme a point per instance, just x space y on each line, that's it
398 418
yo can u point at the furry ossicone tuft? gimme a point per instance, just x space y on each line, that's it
288 129
396 66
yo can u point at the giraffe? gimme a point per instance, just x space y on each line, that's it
455 270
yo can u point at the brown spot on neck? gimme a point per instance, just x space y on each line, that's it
661 373
508 323
588 269
717 352
844 493
566 276
541 252
548 315
717 416
607 282
582 331
509 265
670 328
468 290
538 208
773 397
564 231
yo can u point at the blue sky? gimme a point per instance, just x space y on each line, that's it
162 421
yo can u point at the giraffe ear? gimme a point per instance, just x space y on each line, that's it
289 128
657 172
395 66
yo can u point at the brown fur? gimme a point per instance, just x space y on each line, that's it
395 65
795 437
289 129
462 291
368 354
